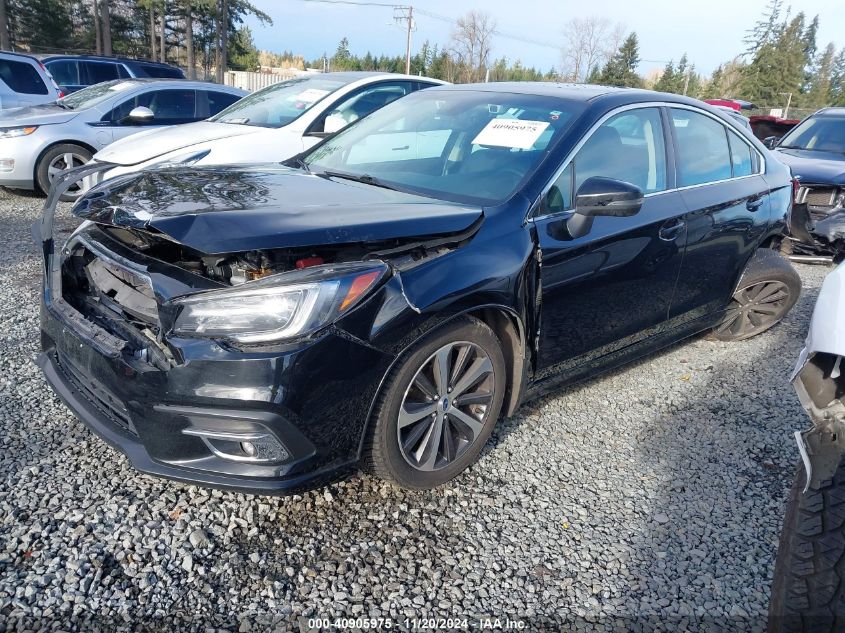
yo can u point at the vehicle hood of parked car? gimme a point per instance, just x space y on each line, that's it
814 166
43 114
150 144
227 210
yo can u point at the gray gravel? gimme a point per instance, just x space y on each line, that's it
651 497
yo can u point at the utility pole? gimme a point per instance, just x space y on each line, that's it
406 14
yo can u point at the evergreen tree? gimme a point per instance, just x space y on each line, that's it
837 80
621 68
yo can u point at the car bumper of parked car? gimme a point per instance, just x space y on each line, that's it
17 161
257 422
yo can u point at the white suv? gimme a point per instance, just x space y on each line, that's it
24 81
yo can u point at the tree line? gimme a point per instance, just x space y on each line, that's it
196 34
782 62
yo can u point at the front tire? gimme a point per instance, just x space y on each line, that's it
421 438
767 291
808 591
56 160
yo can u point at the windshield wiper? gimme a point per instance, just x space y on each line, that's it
64 106
364 178
300 162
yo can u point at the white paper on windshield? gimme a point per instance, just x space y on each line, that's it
514 133
311 95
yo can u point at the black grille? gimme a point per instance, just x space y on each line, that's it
102 400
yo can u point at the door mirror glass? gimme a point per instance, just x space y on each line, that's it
770 141
600 196
141 115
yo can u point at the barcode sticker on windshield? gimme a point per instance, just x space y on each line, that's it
514 133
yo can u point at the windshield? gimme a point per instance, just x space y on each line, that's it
821 133
458 145
281 103
93 95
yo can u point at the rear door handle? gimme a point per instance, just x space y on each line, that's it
671 230
754 203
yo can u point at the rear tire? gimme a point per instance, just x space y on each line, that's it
766 292
421 438
54 161
808 592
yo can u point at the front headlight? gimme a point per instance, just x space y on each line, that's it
12 132
278 307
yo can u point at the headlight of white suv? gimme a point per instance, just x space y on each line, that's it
278 307
12 132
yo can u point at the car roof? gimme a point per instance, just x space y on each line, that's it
831 112
191 83
350 76
20 55
575 92
106 58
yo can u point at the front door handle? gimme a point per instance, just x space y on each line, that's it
754 203
670 231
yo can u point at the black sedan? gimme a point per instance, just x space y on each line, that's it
815 150
384 299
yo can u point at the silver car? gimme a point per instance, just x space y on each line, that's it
37 143
24 81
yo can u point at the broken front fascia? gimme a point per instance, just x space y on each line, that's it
819 381
42 230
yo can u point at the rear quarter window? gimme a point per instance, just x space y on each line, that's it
21 77
218 101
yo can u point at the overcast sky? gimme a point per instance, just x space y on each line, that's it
709 32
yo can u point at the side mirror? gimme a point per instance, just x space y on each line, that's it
334 123
141 115
771 141
599 196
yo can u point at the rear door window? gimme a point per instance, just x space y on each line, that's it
702 148
741 157
65 72
22 77
98 72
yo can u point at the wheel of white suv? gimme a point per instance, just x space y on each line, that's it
439 406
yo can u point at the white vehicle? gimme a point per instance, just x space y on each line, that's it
270 125
25 81
808 592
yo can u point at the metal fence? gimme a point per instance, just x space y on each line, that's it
251 81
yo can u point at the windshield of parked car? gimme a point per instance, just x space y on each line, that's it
93 95
279 104
821 133
458 145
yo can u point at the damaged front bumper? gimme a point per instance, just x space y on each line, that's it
254 419
819 381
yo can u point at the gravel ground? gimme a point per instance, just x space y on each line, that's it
651 498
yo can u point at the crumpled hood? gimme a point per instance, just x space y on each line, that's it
814 167
139 148
226 210
826 333
44 114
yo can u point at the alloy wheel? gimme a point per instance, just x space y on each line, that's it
445 406
755 308
62 163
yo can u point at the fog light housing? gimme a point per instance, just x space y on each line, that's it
252 447
7 164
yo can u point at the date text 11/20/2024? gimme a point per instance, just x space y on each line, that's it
416 624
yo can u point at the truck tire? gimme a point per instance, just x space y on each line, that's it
808 592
